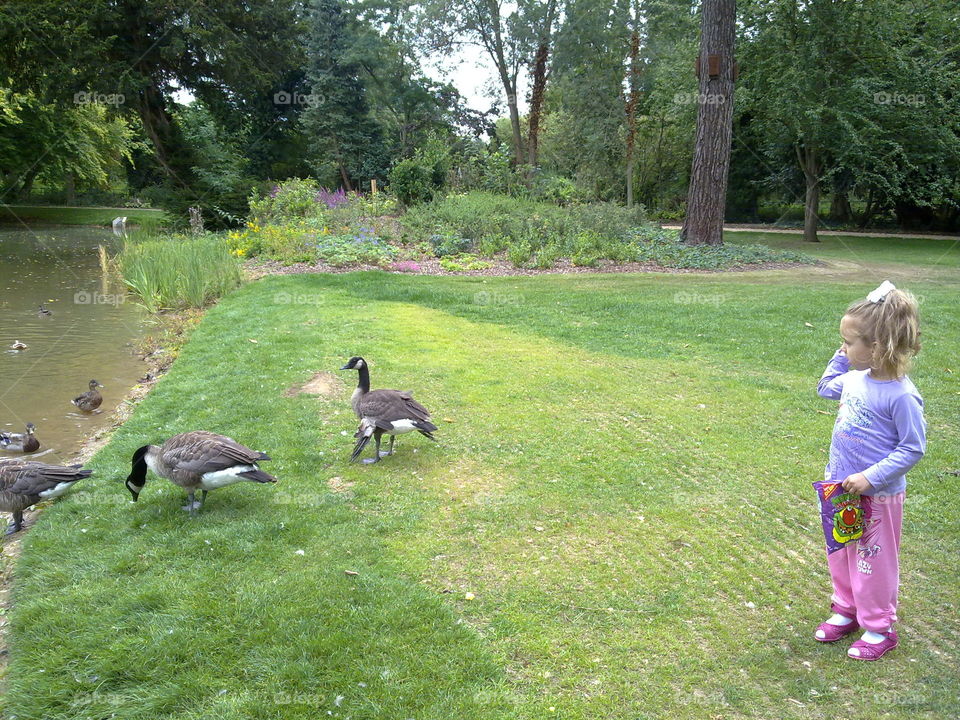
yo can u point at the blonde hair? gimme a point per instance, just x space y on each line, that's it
894 325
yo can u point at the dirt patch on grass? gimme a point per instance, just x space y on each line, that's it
323 384
340 486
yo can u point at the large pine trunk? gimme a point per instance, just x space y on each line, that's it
536 103
706 199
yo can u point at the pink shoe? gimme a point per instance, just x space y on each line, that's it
832 633
869 651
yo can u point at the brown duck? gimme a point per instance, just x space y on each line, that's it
198 460
26 482
91 399
25 442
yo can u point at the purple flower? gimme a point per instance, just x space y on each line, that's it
332 199
405 266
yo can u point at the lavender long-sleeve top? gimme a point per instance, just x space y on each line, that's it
880 429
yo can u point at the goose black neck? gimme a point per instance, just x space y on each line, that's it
364 382
138 469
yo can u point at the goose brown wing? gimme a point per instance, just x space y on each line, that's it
421 413
392 405
33 478
201 452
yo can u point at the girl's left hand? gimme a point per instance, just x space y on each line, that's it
857 483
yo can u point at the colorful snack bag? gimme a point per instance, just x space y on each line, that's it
841 513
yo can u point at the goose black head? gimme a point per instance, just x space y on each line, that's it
30 428
138 472
354 363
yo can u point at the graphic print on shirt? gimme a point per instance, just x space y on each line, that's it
846 450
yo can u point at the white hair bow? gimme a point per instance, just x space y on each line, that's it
881 292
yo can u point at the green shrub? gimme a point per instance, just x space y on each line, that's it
547 257
179 271
448 243
519 253
290 199
663 247
361 248
411 182
558 190
585 233
462 262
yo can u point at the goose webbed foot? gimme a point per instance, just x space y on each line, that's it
192 505
368 461
16 523
385 453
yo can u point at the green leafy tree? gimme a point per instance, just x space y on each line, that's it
343 134
232 55
862 95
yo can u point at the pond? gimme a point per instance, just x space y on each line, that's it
91 333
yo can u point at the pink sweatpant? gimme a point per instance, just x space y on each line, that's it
866 573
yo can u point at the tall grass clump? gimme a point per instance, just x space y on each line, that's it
179 272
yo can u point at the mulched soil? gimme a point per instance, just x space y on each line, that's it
499 267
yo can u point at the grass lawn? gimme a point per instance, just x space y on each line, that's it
622 482
145 217
916 254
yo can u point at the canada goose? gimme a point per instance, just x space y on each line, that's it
91 399
26 482
197 460
17 345
43 312
25 442
384 411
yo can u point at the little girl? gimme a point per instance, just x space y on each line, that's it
880 433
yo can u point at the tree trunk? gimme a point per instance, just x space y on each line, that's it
633 82
810 164
70 188
707 196
539 85
868 211
536 103
840 209
514 122
27 182
158 125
